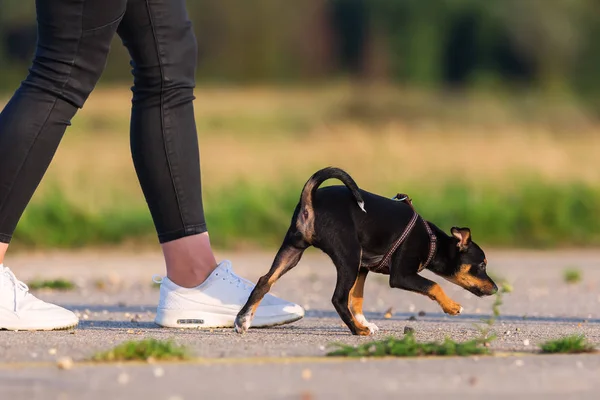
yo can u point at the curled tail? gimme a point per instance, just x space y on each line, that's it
321 176
305 221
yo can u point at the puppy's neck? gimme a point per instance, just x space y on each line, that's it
445 253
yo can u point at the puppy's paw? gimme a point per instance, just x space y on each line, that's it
363 332
453 309
372 327
242 323
361 319
367 330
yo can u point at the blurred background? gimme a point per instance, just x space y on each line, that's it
486 112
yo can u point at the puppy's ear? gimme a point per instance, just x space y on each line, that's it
464 237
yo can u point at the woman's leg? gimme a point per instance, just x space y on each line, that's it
74 37
164 142
164 145
73 41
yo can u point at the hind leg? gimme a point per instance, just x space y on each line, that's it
347 262
287 258
356 300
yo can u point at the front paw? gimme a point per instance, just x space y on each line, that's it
362 320
242 323
372 327
452 308
367 329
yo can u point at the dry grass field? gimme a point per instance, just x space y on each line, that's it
268 135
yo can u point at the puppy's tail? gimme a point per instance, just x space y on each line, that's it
306 218
321 176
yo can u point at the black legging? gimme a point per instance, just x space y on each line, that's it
74 38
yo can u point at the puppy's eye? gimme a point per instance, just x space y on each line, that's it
482 265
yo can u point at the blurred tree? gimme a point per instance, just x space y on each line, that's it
548 33
548 44
350 24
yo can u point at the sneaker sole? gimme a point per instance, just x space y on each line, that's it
204 320
31 328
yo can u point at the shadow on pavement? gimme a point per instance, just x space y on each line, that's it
122 322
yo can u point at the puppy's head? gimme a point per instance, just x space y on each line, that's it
468 268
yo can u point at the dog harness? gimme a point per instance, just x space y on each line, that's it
384 266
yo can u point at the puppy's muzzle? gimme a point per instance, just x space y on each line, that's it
486 290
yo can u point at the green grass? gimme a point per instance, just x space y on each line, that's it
144 350
57 222
572 275
57 284
530 215
570 345
533 215
409 347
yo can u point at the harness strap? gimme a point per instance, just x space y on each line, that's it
383 264
432 245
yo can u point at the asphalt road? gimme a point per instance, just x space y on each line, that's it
116 302
539 377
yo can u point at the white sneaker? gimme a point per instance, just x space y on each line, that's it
216 302
22 311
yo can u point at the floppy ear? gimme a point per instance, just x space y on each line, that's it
463 235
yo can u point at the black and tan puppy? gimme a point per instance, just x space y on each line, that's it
364 232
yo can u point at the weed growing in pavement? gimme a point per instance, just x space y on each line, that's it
144 350
570 345
56 284
572 275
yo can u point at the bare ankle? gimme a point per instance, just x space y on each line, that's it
3 249
188 279
189 260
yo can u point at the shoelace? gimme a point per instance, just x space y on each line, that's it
6 273
230 276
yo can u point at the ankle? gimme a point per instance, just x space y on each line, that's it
3 249
189 260
190 278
